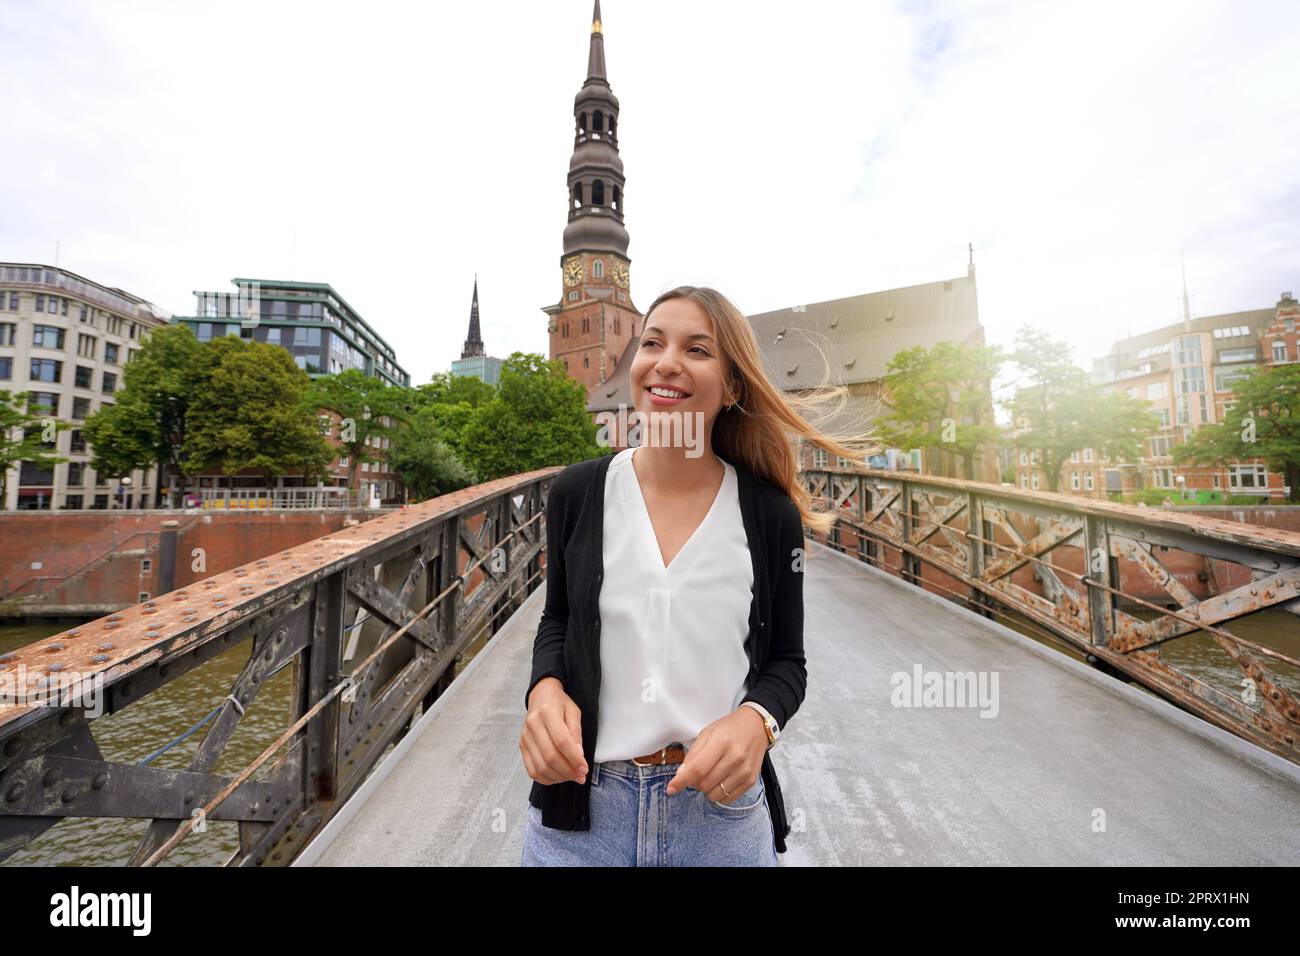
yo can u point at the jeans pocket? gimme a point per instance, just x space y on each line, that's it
747 803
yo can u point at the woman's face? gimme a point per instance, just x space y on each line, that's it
678 352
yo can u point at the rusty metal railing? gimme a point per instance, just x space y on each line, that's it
370 619
1119 584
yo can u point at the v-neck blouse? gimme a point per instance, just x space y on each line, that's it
673 654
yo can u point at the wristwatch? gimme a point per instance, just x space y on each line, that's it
769 722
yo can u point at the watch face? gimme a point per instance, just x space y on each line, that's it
573 272
620 275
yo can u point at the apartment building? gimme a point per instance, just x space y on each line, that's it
1186 372
66 340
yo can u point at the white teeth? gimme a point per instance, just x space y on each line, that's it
666 392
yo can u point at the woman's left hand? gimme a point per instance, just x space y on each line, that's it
730 750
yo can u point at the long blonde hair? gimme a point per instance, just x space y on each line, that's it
757 428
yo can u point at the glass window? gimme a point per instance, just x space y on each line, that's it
80 408
1189 350
47 336
78 444
1191 379
76 474
1247 476
46 370
110 353
86 346
43 403
1225 378
110 383
1087 481
13 301
6 368
1279 351
7 330
1158 390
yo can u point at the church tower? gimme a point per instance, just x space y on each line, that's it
595 319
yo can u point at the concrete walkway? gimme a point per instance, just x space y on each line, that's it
1074 769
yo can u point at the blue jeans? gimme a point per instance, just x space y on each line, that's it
634 822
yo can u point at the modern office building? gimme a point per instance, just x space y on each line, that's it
66 340
325 335
474 362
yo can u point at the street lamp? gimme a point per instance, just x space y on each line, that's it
1182 487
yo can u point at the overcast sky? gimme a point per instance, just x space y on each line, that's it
784 153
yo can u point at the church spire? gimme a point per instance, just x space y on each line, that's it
473 344
596 55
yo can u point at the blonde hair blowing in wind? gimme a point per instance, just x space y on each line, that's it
758 428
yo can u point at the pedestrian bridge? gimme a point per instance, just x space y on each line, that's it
1119 749
1073 767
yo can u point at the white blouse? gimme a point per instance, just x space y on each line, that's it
672 645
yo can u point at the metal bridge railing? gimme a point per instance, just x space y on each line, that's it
371 620
1119 584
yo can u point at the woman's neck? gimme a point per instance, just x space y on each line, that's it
663 466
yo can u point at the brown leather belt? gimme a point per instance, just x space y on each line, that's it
673 753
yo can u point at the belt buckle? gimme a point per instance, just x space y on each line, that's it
662 752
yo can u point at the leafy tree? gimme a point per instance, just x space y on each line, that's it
448 389
146 424
363 403
427 464
27 433
536 417
942 398
1057 410
247 412
1264 423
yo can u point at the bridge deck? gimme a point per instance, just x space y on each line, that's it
867 783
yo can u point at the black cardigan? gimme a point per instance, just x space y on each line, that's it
567 645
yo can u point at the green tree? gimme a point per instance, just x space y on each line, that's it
427 464
1263 423
942 398
537 417
1057 410
146 425
364 404
27 433
247 413
447 389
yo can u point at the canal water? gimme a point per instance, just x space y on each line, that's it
144 728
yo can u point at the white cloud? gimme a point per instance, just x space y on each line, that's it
784 153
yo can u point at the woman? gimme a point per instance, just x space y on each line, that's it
688 556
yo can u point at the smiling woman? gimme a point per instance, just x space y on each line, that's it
689 560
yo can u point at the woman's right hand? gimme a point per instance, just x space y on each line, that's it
551 741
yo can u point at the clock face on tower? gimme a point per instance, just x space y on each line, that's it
573 272
620 275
